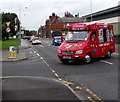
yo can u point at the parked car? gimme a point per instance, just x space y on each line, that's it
56 40
36 40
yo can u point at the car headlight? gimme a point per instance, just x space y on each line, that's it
79 52
59 51
55 40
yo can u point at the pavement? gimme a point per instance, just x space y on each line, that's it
20 55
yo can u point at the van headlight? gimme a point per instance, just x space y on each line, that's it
59 51
79 52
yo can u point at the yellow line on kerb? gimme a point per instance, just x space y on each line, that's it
67 82
91 99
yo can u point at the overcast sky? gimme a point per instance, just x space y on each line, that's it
38 11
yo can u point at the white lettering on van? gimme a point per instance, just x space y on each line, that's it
106 44
101 45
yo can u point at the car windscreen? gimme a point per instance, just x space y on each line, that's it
76 36
57 38
36 38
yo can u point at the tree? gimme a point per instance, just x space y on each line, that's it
9 17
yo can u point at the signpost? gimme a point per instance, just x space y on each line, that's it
7 23
7 30
16 28
12 50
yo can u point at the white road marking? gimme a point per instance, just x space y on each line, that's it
115 53
59 79
48 66
53 71
46 63
41 46
56 75
30 51
41 58
37 54
107 62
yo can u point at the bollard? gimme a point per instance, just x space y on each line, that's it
12 52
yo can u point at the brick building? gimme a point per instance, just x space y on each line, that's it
42 31
33 32
60 23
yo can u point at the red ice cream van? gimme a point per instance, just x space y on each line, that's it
85 41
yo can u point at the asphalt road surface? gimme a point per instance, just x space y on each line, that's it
100 77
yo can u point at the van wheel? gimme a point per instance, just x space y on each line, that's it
88 58
108 54
64 61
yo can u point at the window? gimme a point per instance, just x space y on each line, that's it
105 35
77 36
93 36
101 35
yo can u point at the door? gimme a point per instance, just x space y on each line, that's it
94 44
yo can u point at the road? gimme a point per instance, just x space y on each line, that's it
101 76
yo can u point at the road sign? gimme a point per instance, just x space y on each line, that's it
15 20
7 30
7 23
12 52
15 27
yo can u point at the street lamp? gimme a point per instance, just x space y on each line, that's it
91 9
20 19
20 26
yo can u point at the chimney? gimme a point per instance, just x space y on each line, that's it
76 15
53 14
50 17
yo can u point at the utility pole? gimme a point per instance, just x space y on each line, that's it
91 9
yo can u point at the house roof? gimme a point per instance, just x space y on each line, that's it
69 19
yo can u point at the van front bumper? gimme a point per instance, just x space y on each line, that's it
71 56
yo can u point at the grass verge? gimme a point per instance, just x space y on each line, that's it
11 42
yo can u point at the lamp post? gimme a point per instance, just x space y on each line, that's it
91 9
67 26
20 26
20 18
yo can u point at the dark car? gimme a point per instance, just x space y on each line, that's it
56 40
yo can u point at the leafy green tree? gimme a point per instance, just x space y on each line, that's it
9 17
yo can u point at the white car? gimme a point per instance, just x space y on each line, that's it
36 40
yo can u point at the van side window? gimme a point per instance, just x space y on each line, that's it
101 39
104 35
93 36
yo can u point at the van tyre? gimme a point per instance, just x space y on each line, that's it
108 54
64 61
88 59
